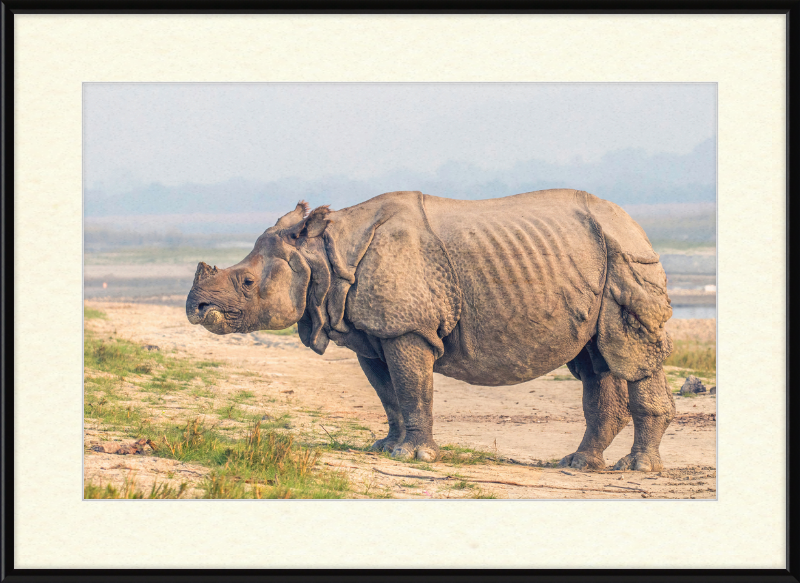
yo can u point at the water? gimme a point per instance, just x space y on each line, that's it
693 312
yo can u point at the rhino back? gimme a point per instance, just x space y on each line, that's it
531 269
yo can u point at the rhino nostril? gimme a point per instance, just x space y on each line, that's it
202 306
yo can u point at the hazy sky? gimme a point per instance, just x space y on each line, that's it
209 133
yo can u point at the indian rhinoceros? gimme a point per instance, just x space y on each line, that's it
491 292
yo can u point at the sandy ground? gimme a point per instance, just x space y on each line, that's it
527 425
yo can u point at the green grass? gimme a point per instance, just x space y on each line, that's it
130 491
700 357
457 455
92 314
564 377
342 440
123 358
111 415
264 464
662 245
256 461
285 332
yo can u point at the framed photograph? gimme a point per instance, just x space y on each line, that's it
347 275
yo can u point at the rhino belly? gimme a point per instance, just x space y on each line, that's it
532 288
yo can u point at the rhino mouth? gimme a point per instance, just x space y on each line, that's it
199 312
213 320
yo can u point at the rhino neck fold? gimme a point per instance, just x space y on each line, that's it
313 326
333 259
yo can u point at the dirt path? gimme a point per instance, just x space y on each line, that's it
527 425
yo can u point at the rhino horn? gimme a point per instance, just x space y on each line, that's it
204 270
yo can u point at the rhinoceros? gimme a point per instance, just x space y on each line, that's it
491 292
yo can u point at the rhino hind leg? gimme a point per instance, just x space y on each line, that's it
653 408
409 359
378 375
605 406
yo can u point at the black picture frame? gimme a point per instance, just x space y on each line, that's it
8 9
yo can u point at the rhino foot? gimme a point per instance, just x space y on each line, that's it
582 460
385 444
426 452
640 462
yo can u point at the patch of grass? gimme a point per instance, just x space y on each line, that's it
486 495
130 491
92 314
285 332
662 245
409 484
339 441
243 396
700 357
123 358
202 392
564 377
265 464
110 414
462 485
457 455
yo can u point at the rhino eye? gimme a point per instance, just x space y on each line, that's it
248 281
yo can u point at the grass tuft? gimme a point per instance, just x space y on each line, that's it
264 464
92 314
285 332
698 356
457 455
130 491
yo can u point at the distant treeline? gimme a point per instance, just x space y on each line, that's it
625 177
664 230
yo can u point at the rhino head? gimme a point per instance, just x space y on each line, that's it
267 290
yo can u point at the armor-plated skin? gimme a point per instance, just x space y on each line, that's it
493 292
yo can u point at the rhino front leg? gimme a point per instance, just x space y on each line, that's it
410 362
378 375
605 406
653 408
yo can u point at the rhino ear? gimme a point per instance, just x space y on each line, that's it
311 226
289 219
317 221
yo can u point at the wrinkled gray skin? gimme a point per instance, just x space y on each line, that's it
493 292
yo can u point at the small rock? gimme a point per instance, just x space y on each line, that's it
712 391
692 385
151 347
